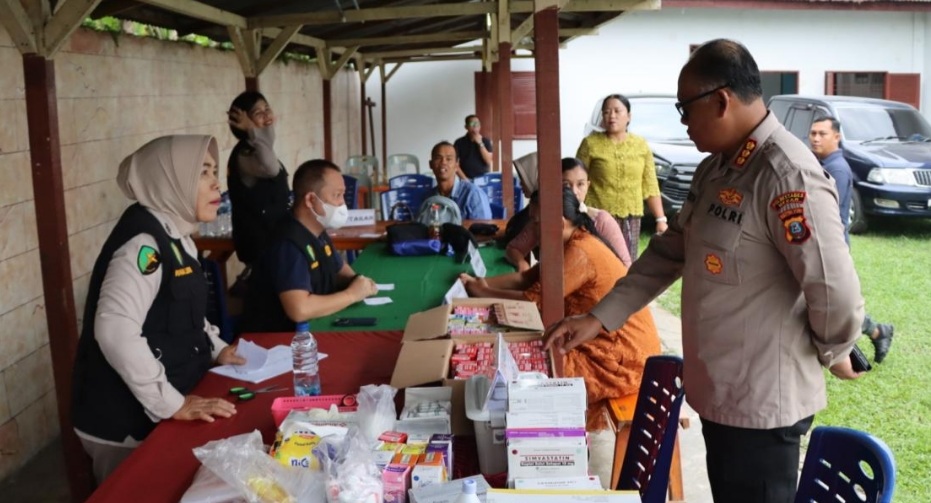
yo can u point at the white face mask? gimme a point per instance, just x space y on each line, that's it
333 217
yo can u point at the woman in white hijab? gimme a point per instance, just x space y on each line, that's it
145 342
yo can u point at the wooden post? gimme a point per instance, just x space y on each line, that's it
252 84
384 121
327 122
48 190
506 131
546 59
362 119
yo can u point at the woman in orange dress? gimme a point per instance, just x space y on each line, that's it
612 363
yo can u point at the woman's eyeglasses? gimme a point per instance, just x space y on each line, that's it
680 105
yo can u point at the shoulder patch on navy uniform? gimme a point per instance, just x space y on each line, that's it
147 260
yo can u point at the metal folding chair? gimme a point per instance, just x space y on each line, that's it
846 465
653 430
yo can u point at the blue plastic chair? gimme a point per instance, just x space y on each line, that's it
497 211
653 430
217 311
846 465
352 191
402 204
490 183
411 181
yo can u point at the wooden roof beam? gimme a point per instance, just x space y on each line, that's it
14 18
66 19
408 39
372 14
202 11
275 48
526 6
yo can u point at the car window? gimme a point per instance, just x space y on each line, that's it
799 122
869 123
780 110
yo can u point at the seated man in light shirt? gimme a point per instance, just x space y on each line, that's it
473 202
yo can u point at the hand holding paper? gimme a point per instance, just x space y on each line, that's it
255 356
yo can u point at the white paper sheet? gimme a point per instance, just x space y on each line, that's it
278 362
385 287
255 356
378 301
475 259
371 235
457 291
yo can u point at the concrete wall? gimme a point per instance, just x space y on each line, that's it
642 52
113 96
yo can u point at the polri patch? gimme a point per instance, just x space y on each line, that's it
713 264
797 230
730 197
791 198
148 260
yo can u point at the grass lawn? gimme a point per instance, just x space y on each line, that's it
893 260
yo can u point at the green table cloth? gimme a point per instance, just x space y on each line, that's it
419 284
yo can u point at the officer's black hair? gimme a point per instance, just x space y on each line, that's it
443 143
309 177
727 62
470 116
835 124
572 211
245 101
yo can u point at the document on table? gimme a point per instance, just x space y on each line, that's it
278 362
475 258
382 287
378 301
255 356
457 291
371 235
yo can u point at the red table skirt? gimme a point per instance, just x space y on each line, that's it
162 468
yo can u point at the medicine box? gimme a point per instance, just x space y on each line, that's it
542 457
547 395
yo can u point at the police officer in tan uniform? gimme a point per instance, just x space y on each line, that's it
769 291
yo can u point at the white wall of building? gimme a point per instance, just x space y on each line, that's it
643 52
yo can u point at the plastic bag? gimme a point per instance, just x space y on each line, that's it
241 461
376 413
353 476
208 488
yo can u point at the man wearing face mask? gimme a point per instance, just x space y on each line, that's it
301 276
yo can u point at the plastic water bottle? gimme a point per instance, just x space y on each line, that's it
304 362
468 492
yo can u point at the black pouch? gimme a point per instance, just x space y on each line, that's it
411 239
480 229
858 360
457 238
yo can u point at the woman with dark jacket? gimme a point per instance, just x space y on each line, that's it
257 180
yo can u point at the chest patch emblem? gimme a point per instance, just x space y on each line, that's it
724 213
713 264
148 260
327 250
730 197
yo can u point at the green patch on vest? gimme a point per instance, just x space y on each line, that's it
147 260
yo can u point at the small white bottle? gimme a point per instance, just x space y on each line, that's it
468 492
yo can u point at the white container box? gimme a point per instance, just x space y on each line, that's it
490 440
547 395
541 457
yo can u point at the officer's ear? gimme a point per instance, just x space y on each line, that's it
725 100
309 199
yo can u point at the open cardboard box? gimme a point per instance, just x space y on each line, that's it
427 348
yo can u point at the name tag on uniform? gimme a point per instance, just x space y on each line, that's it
184 271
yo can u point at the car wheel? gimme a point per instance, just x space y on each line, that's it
857 220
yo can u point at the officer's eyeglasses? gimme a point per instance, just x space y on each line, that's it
680 105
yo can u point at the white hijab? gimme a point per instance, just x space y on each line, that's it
164 174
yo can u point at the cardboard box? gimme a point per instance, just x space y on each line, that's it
426 424
551 419
396 480
560 496
547 457
430 469
427 348
547 395
448 492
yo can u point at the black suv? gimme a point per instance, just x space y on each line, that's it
654 117
886 143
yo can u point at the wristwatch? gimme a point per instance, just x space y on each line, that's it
661 220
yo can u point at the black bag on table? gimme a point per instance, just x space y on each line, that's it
412 239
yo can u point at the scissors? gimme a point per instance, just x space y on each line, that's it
243 393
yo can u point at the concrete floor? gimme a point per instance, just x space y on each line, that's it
43 479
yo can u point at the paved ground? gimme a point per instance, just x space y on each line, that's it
692 446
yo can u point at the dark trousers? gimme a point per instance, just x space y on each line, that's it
748 465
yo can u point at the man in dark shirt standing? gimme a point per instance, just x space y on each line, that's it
473 150
824 138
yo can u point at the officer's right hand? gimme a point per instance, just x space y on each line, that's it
844 370
362 287
572 331
204 409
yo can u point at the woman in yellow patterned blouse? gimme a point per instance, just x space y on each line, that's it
621 172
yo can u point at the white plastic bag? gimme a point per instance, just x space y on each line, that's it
353 476
377 413
241 461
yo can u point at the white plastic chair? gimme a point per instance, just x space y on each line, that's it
402 164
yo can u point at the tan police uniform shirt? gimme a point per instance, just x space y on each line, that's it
769 290
125 298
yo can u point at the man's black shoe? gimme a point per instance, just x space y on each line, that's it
882 343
